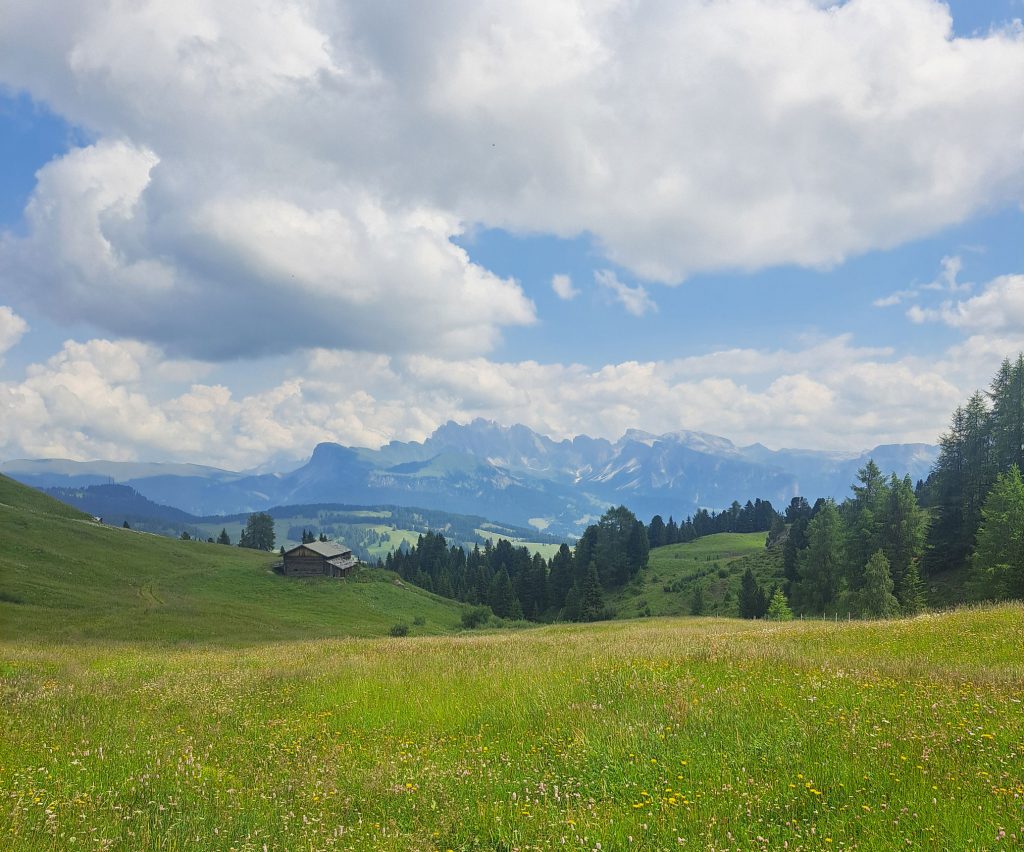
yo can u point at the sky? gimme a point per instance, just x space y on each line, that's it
231 230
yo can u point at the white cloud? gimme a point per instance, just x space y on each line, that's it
12 328
108 399
999 308
947 282
635 300
562 285
264 160
297 276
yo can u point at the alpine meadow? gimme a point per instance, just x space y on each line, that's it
511 425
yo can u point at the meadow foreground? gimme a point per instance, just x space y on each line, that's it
663 734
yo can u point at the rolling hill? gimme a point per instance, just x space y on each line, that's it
67 578
715 562
370 531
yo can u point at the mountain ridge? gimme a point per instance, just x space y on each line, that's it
510 473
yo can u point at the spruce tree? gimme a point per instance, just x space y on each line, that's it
224 538
560 579
500 596
903 530
751 596
820 562
656 532
778 609
877 599
591 597
910 591
571 610
999 556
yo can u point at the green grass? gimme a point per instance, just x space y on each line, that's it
645 735
28 501
665 587
64 577
274 731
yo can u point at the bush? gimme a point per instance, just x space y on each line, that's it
400 630
475 617
419 621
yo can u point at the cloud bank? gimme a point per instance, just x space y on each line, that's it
269 176
97 399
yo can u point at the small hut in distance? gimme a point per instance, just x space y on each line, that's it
317 559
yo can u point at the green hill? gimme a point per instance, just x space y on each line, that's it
715 562
65 577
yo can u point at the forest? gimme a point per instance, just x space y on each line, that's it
871 555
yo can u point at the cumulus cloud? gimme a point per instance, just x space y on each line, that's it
286 275
635 299
303 167
98 399
999 308
12 328
562 285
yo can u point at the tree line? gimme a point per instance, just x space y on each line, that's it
973 492
861 556
516 584
756 516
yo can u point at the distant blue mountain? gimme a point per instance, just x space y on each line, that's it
510 473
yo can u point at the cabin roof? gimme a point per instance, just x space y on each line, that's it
327 549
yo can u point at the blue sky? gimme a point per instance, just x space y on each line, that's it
341 226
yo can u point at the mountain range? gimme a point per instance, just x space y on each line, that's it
508 473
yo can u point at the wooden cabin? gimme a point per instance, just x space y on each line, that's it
318 558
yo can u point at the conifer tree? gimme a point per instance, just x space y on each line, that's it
560 579
656 532
903 530
820 562
877 599
591 597
999 556
224 538
753 603
778 608
910 591
501 598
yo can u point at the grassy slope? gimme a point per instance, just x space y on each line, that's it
64 577
645 735
666 586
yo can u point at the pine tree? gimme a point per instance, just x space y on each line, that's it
903 531
571 610
591 597
820 562
656 532
877 599
778 609
910 591
999 556
224 538
500 596
259 532
560 579
751 596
